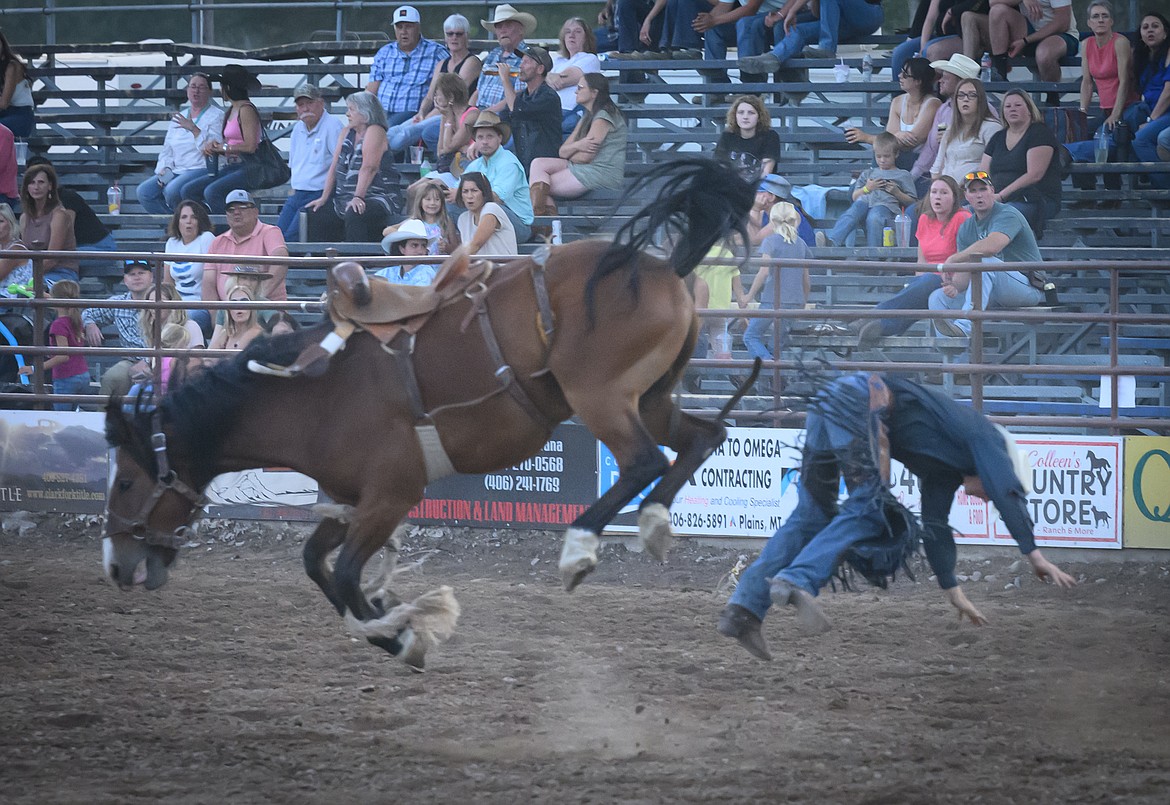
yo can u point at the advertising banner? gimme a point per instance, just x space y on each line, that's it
263 494
53 461
549 490
1147 492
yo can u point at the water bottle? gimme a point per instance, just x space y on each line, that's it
1101 147
556 232
114 199
902 228
867 68
985 72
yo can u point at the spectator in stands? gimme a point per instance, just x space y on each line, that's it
485 227
361 196
310 155
70 370
621 22
675 19
503 172
16 100
774 188
14 271
1107 61
965 141
783 243
181 159
721 23
936 33
89 233
593 157
117 379
576 57
534 113
509 27
9 194
996 232
456 118
1022 161
950 72
281 322
425 125
410 239
241 137
247 236
879 194
938 228
179 317
189 232
838 21
402 70
427 204
1151 114
46 223
747 141
235 329
1045 29
911 113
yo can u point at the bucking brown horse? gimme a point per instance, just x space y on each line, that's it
593 328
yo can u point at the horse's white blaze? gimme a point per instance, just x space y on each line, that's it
579 551
108 557
654 530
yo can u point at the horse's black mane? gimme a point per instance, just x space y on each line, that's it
202 408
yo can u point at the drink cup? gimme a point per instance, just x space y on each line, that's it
416 154
21 152
841 72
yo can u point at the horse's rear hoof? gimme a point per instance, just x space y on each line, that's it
413 651
575 575
654 530
578 556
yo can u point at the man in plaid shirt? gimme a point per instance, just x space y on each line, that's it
509 27
402 70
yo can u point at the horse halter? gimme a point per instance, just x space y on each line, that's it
165 480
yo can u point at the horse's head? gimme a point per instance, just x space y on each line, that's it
149 508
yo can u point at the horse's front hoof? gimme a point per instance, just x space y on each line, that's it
578 556
391 645
414 651
654 530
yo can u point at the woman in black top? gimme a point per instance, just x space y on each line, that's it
1023 161
748 142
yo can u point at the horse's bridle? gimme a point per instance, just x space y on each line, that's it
166 479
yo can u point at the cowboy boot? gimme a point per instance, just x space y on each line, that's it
542 203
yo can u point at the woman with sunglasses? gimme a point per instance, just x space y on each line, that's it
462 62
911 113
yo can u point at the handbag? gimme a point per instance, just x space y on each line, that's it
265 167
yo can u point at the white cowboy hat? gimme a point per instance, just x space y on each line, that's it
505 12
958 64
410 229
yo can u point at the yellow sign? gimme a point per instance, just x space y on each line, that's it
1147 492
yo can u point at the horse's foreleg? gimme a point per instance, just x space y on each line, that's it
694 440
328 535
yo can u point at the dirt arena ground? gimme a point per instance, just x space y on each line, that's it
236 683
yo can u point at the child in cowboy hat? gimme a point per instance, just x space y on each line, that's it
409 240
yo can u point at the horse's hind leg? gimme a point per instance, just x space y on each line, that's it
328 535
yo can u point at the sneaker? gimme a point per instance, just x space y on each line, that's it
814 52
948 328
823 240
687 54
765 63
809 615
742 626
869 333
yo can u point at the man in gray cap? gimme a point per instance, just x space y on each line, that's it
773 188
402 70
534 112
314 138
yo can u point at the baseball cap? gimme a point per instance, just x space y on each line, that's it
131 265
405 14
775 184
538 55
239 197
977 176
307 90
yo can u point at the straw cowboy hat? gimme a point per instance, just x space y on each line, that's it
490 120
505 12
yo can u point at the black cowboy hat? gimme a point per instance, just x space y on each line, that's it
237 75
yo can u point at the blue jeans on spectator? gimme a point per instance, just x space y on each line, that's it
1086 151
406 133
716 40
905 51
78 384
1001 289
630 15
290 214
213 189
841 20
569 119
106 244
805 550
1145 141
760 330
875 219
19 120
915 296
161 199
677 17
394 118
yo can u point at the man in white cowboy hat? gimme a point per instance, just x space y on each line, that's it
402 70
509 26
950 72
410 239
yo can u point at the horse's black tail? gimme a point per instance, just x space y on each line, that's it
698 202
